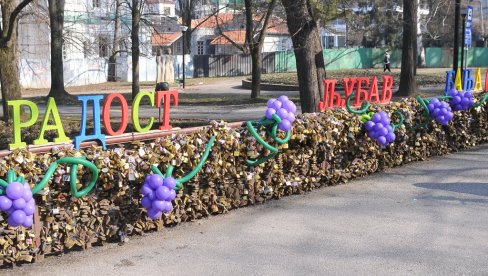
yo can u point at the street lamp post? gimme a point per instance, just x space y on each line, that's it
457 15
183 30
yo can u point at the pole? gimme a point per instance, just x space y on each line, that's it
457 13
482 23
183 59
463 41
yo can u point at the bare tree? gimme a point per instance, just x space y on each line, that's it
308 51
56 20
408 85
112 61
9 72
136 7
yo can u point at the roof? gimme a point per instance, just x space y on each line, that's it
237 37
165 39
211 22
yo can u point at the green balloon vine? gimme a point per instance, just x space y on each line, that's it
180 181
271 130
73 161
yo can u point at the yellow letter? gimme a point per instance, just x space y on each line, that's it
17 125
58 126
135 111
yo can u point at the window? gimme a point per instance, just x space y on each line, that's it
96 3
103 48
167 11
86 49
341 41
200 48
330 42
178 48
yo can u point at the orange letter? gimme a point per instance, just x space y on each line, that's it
106 114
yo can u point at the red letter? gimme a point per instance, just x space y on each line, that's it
166 97
106 114
348 85
329 92
373 90
361 94
387 93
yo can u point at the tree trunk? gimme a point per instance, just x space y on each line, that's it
308 52
136 19
56 19
256 73
112 61
9 71
408 85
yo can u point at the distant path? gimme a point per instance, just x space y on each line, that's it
426 218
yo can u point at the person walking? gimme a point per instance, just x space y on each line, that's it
386 62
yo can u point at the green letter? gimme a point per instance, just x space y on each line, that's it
135 111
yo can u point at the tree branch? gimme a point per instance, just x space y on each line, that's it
11 21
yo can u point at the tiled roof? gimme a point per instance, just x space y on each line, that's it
237 36
211 22
165 39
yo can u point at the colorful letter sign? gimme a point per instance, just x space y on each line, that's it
52 114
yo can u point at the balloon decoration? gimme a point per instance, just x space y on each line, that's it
16 196
436 108
378 125
280 114
160 189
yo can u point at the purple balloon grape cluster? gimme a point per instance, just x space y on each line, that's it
380 129
19 204
285 109
461 100
440 111
158 192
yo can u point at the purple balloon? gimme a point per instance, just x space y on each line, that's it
389 128
373 134
283 99
285 125
28 221
282 113
146 189
452 92
383 131
170 183
12 222
158 205
390 137
291 117
456 99
276 105
29 209
431 107
5 203
369 125
18 216
382 140
168 207
19 203
172 195
27 194
465 101
153 214
15 190
449 116
162 193
376 118
269 113
434 100
290 106
146 202
378 126
436 112
270 102
155 181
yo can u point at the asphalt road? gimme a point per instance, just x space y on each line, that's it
425 218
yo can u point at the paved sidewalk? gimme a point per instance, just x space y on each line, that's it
426 218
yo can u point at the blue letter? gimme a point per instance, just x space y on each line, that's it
468 81
97 135
450 76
